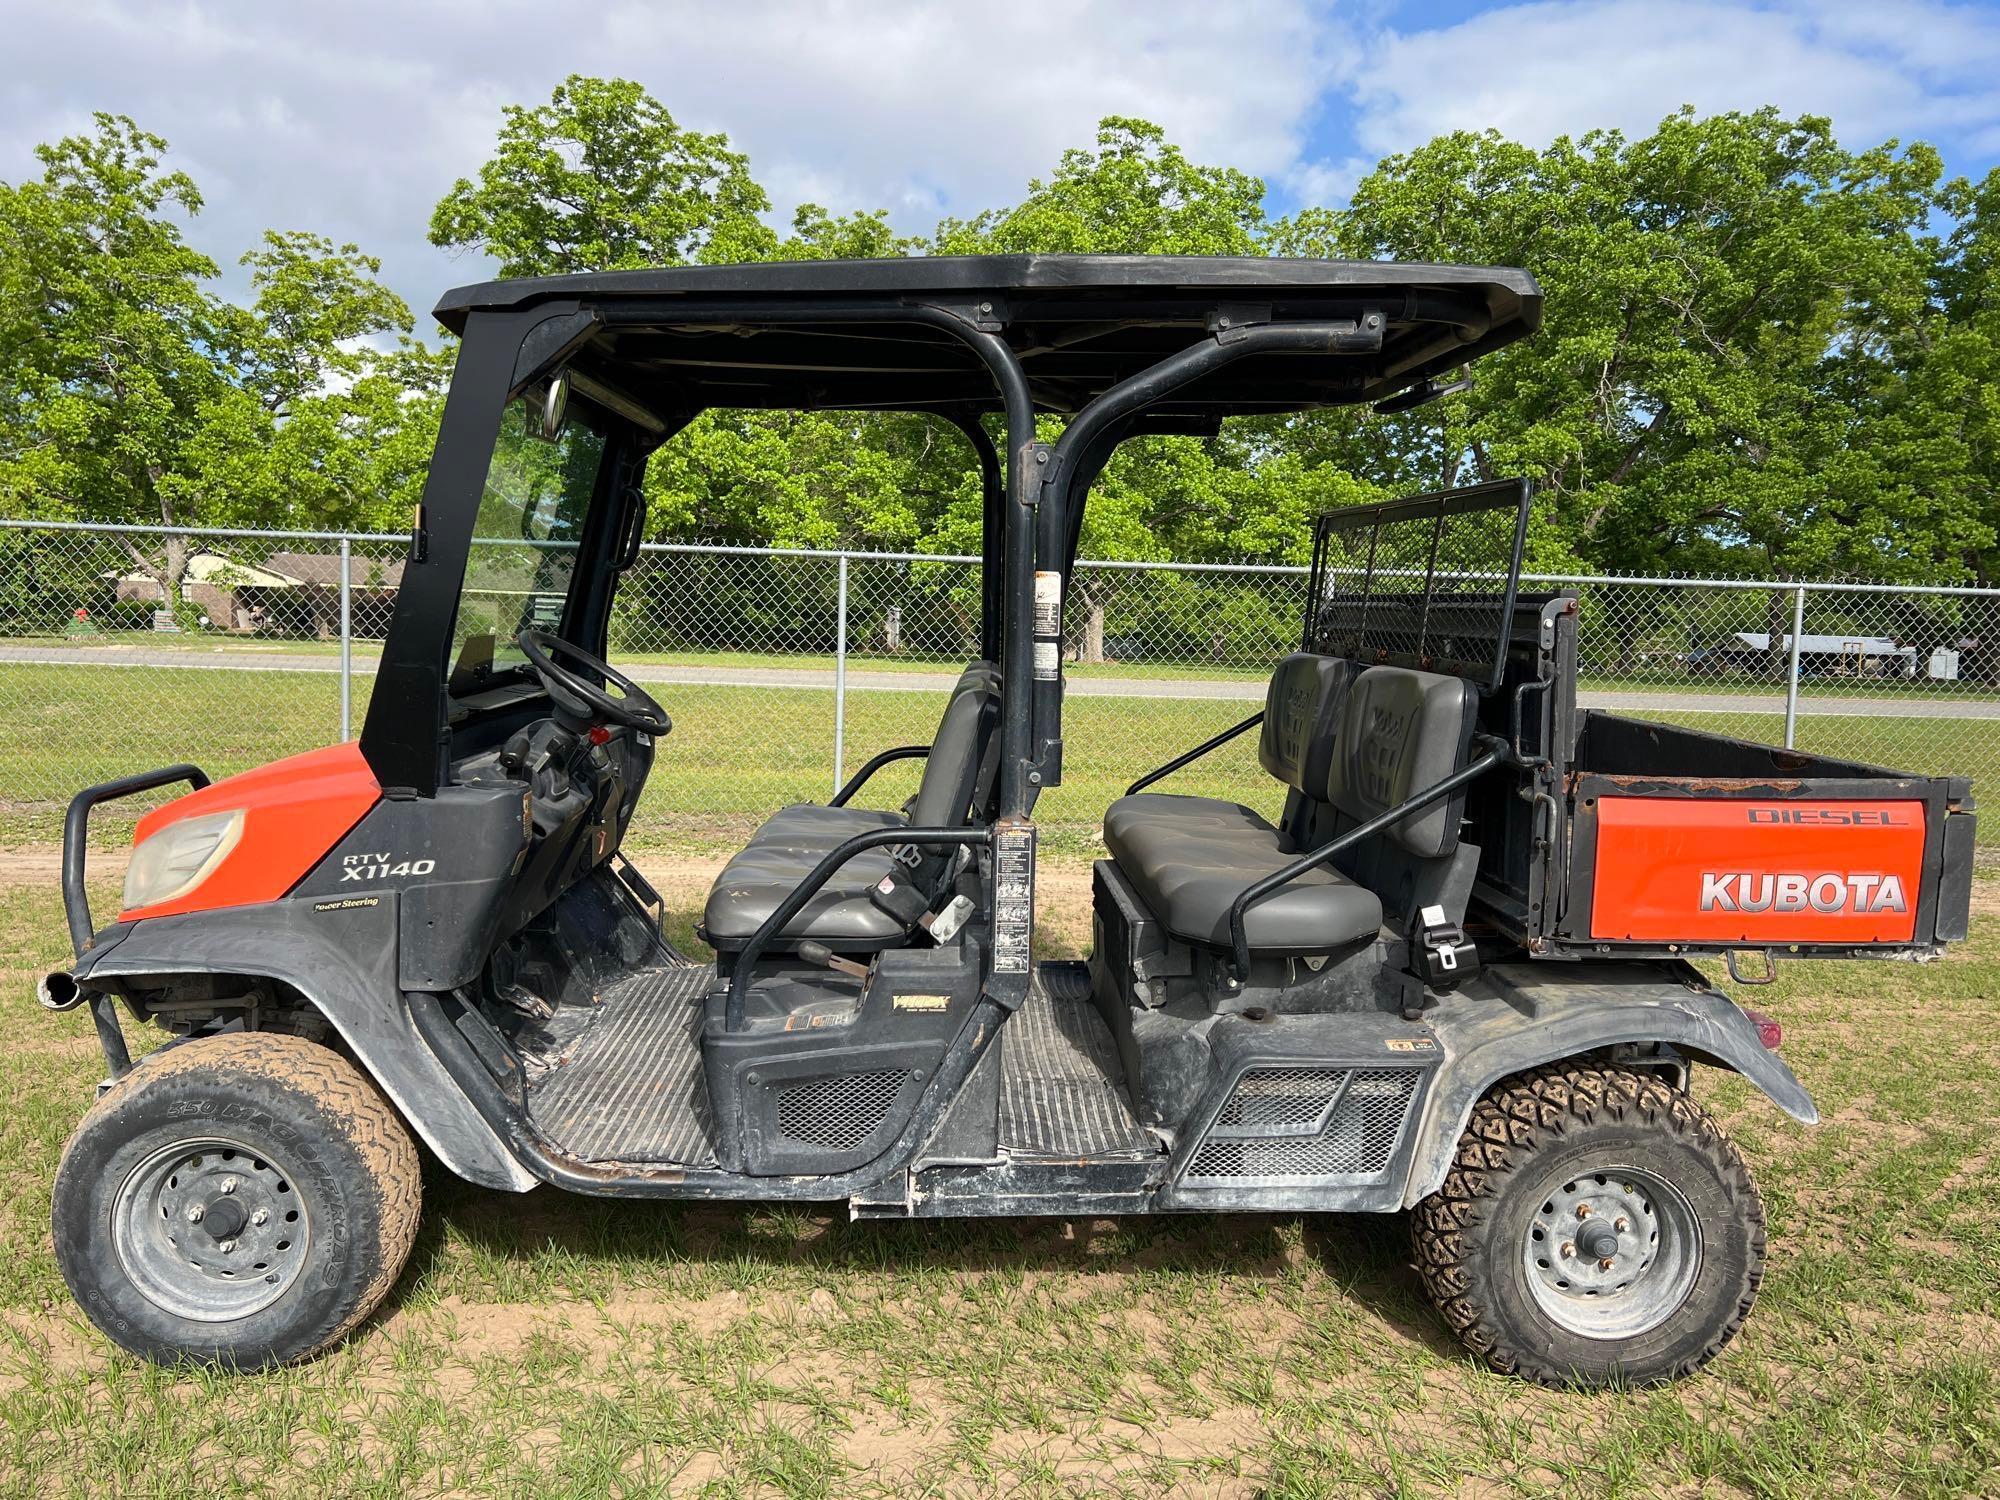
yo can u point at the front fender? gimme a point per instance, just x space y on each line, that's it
1517 1016
341 955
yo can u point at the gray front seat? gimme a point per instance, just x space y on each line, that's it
782 853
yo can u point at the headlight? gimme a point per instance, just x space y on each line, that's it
180 857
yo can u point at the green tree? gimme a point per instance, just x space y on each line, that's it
861 235
129 392
1721 300
1938 384
602 178
111 402
1136 193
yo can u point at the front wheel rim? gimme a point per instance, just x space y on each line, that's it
210 1230
1612 1251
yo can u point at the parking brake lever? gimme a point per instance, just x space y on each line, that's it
826 958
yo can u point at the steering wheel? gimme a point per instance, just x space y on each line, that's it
579 697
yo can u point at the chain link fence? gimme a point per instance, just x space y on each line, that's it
127 648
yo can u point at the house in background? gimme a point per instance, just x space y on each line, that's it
288 594
311 604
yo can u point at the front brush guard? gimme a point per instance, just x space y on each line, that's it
76 899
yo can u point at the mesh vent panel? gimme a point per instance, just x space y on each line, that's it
838 1113
1359 1138
1281 1096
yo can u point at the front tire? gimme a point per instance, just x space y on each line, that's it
1596 1226
244 1200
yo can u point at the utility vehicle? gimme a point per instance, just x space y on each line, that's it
1452 978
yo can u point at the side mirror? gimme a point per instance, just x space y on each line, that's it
555 404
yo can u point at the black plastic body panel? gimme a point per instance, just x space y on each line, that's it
1352 1041
912 1005
457 854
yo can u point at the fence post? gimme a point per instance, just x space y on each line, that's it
1792 672
840 679
346 640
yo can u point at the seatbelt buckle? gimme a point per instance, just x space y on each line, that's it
1445 956
900 899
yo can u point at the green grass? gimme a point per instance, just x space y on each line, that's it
1661 680
1742 684
736 752
550 1345
366 651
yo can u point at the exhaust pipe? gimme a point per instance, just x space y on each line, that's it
58 991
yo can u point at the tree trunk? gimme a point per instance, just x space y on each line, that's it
1092 649
1778 626
167 572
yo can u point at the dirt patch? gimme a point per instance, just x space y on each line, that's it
681 879
41 864
1062 909
52 1339
1986 897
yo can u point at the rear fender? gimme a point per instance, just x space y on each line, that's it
1514 1017
341 955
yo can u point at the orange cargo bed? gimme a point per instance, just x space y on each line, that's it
1680 841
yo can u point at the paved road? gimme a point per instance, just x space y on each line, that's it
238 659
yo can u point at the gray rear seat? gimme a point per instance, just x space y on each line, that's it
1349 743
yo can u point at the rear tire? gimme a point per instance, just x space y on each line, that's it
243 1200
1596 1226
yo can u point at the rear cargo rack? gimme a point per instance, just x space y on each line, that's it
1427 582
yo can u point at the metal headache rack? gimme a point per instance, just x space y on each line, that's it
1428 582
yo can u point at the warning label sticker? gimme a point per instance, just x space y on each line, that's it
1048 602
1048 660
1013 900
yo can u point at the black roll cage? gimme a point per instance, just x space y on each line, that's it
1126 346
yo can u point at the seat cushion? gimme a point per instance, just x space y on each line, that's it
1189 858
1301 715
752 885
952 770
808 825
784 850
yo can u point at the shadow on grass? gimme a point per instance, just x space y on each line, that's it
1365 1258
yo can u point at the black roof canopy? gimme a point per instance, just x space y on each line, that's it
747 335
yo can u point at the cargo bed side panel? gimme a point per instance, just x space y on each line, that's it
1730 870
1681 841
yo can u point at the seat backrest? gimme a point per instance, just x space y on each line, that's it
952 771
1301 715
1401 731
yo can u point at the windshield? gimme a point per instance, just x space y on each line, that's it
524 543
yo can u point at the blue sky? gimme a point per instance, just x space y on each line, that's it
353 119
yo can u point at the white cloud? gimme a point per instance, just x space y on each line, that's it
1325 181
354 119
1536 71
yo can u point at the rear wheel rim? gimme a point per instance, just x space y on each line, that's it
1612 1251
210 1230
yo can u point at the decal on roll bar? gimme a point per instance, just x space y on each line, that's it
1048 602
1013 899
